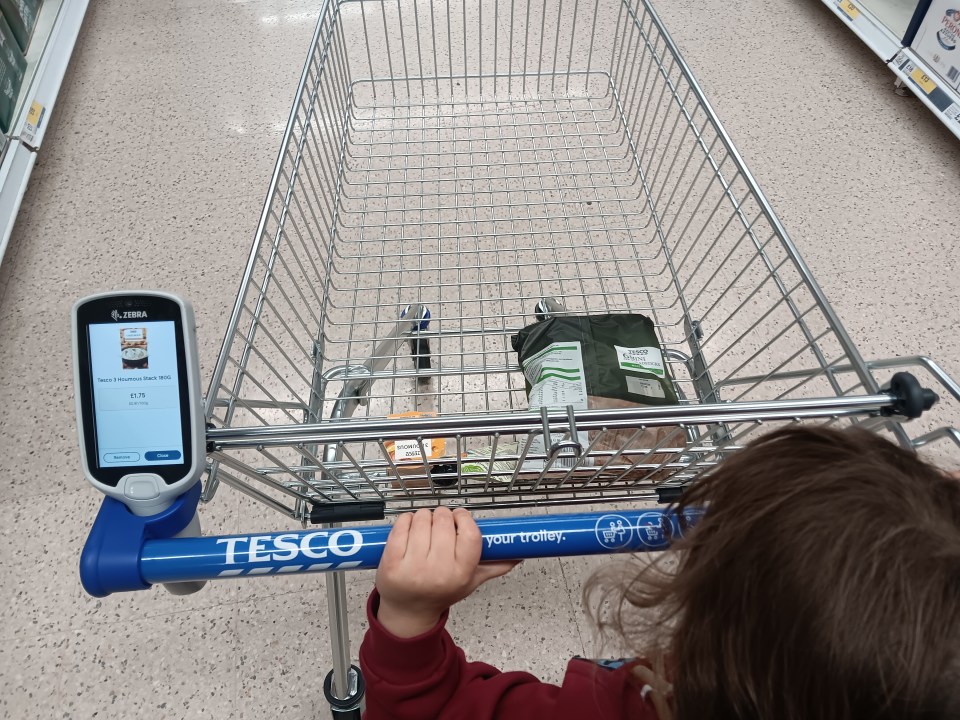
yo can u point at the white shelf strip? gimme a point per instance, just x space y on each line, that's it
865 26
47 58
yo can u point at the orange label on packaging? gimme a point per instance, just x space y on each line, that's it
406 450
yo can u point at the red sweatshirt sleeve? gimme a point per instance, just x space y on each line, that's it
428 677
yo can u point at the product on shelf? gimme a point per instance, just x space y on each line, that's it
938 40
22 17
12 67
601 362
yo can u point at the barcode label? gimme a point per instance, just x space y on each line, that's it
644 387
565 462
952 74
953 113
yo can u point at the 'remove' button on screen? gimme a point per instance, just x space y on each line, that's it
162 455
125 458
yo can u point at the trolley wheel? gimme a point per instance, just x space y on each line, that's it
348 708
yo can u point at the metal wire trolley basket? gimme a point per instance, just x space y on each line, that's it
454 171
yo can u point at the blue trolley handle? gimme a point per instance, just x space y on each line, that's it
120 557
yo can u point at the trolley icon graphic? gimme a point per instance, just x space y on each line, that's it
614 531
652 530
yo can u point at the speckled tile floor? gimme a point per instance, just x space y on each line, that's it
153 175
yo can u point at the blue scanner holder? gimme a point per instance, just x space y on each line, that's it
110 561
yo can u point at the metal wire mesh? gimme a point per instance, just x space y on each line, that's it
471 158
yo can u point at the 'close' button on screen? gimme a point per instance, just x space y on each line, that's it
158 455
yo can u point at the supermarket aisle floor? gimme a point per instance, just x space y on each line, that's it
153 175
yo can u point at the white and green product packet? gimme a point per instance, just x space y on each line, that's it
590 362
12 68
568 358
21 15
478 461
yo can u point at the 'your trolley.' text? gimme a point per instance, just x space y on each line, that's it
538 536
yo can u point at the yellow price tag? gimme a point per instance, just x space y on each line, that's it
849 9
923 80
33 116
28 132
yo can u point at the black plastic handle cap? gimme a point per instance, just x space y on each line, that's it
669 494
912 399
348 511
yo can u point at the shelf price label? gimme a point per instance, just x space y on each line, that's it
849 9
32 123
923 80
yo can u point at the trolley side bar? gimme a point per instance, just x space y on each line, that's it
526 422
869 382
234 321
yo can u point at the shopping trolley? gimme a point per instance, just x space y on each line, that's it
450 173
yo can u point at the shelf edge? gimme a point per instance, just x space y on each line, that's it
21 150
942 100
863 24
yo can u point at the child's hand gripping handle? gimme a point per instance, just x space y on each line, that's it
431 561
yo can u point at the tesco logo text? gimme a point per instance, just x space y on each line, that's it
280 548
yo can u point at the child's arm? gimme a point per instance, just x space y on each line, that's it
431 561
411 665
429 677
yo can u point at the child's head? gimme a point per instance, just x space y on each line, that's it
823 582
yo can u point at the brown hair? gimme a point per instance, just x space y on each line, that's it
822 582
